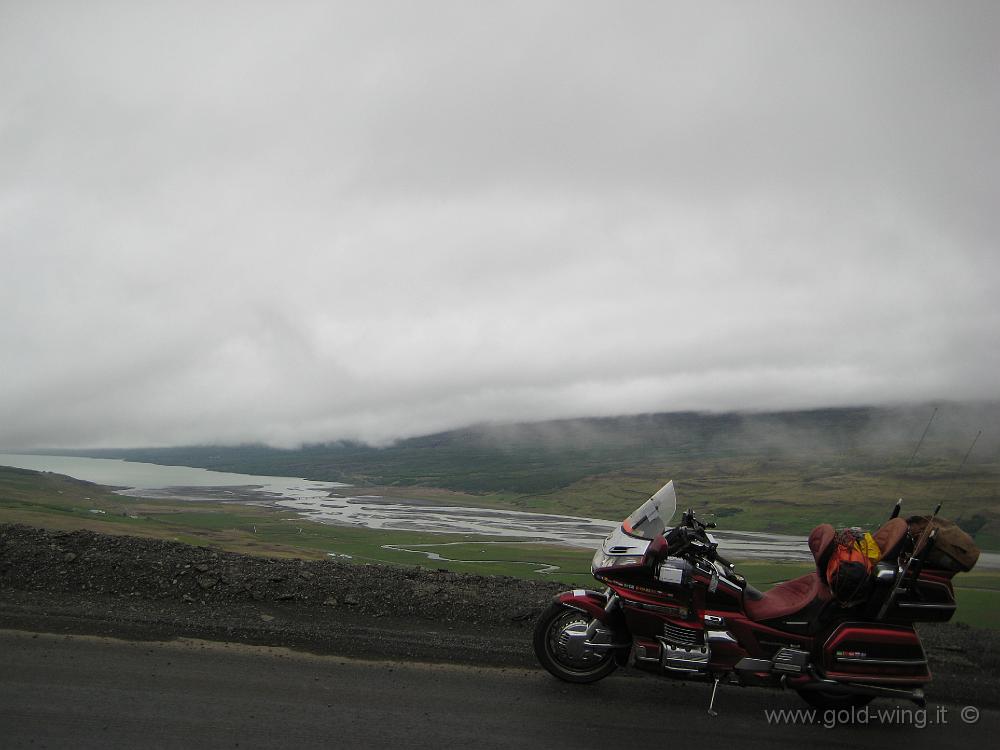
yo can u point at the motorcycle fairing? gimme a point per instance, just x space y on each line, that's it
619 543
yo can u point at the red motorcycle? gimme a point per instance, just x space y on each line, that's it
675 607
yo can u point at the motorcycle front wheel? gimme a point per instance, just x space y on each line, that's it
560 645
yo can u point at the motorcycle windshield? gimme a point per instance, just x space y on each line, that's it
650 519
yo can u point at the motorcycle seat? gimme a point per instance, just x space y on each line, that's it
785 599
890 538
821 545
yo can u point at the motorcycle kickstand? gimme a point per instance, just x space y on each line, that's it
711 702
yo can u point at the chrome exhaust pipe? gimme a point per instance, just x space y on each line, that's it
749 666
852 688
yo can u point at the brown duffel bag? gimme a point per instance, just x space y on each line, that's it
953 549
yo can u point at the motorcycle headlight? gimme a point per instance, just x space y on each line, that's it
603 561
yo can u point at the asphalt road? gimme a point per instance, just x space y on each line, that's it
85 691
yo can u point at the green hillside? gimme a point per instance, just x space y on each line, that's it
782 472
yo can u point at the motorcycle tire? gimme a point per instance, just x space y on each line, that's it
550 642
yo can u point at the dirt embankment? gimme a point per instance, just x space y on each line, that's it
82 581
86 562
86 582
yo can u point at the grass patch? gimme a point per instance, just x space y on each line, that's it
979 608
53 501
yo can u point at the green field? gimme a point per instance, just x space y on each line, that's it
52 501
782 472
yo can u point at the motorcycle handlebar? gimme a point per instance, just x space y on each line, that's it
690 520
720 559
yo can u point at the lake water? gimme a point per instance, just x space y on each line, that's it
325 502
333 503
140 476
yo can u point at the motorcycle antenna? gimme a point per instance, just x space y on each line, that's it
899 501
927 530
961 466
920 548
903 571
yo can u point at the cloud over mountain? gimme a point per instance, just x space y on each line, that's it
240 221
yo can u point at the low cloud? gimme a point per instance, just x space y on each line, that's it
229 223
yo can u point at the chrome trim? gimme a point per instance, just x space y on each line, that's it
719 636
785 660
883 662
732 584
924 605
595 624
640 655
885 573
683 636
750 664
569 643
665 609
715 620
606 646
684 659
820 683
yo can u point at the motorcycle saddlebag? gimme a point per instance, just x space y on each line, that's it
952 549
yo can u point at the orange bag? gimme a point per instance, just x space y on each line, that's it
848 571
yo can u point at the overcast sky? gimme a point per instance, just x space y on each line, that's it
286 222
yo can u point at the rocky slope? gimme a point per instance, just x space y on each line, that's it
86 562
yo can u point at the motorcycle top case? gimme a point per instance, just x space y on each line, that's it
929 597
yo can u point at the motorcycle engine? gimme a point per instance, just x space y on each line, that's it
683 649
